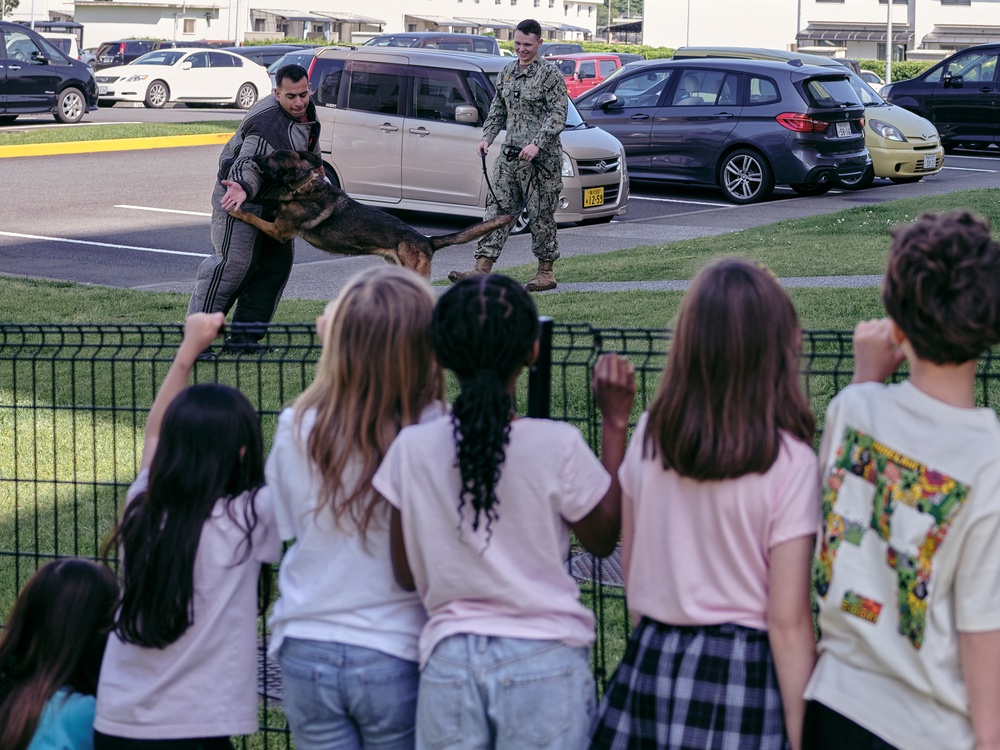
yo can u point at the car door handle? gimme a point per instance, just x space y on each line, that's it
639 117
986 90
421 131
13 67
724 116
387 127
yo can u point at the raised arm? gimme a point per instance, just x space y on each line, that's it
199 330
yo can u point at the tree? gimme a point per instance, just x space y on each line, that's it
7 7
619 9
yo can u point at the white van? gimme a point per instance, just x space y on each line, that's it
401 126
64 41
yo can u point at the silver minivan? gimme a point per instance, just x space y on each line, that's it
400 128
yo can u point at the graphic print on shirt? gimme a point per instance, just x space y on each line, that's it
909 506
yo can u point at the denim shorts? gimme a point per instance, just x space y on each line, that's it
505 693
340 697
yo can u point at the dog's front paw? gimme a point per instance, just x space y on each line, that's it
238 213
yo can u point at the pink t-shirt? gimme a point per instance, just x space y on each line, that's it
513 583
701 550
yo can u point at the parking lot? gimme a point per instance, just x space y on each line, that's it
140 219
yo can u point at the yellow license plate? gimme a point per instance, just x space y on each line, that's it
593 197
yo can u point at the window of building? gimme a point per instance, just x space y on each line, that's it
956 2
189 26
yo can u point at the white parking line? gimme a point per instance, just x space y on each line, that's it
101 244
675 200
969 169
165 210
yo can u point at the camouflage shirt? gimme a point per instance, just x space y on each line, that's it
531 105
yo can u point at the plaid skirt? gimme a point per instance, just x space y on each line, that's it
692 688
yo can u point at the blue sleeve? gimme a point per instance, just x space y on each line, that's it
67 723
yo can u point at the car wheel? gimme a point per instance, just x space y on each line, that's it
907 180
157 95
70 106
5 119
331 175
246 97
521 223
816 188
861 182
745 177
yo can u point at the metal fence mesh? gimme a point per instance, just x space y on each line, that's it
74 399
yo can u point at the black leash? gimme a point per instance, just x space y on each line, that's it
510 153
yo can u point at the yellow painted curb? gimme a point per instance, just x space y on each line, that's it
121 144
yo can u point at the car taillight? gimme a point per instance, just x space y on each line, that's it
861 122
801 123
309 73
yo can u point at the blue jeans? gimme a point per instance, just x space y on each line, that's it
504 693
340 697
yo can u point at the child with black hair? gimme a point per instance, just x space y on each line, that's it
179 672
907 571
483 507
50 656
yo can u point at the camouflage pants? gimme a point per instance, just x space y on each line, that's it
541 179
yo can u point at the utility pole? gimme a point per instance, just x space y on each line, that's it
888 42
608 30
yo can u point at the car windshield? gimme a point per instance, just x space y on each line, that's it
866 93
292 58
390 41
160 57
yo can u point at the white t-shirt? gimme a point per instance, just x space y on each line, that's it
334 586
205 683
908 557
514 582
701 550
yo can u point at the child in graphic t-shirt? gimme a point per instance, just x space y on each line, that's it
907 570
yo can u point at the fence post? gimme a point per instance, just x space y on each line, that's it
540 373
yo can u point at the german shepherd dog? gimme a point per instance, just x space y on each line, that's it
326 218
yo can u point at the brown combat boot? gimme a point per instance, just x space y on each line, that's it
483 266
544 279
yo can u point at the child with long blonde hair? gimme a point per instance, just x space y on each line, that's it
344 632
720 506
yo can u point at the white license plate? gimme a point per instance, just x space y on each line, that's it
843 130
102 90
593 197
930 161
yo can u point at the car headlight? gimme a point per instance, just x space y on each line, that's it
567 166
887 131
130 79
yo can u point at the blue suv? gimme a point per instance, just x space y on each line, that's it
36 76
743 125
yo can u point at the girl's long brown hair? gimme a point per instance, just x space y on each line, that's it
731 381
375 376
54 638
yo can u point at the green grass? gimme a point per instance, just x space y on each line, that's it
115 132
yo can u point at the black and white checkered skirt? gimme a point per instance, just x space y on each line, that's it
692 688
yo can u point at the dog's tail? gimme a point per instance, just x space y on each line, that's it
470 233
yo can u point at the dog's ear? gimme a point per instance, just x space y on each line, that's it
311 157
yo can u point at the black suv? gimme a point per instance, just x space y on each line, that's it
37 76
122 52
486 45
560 48
960 95
264 54
743 125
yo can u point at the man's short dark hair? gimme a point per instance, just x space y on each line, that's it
530 26
942 286
292 73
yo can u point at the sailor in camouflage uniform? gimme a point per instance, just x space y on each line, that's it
530 103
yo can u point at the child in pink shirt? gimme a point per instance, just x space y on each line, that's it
720 504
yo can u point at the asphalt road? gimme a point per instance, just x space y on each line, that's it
140 219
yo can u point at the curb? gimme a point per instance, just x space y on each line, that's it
111 144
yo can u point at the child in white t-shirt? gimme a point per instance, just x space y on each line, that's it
344 631
50 656
180 669
907 573
483 505
720 504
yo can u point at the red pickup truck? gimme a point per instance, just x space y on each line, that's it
584 70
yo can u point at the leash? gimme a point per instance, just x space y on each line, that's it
510 153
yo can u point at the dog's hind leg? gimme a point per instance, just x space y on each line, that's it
267 227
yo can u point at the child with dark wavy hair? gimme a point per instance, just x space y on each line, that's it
907 571
484 503
50 656
180 669
720 504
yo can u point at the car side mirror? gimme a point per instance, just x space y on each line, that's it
186 65
466 113
952 80
608 101
38 57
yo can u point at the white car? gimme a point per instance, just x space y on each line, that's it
193 76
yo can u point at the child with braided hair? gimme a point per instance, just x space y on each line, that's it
483 504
